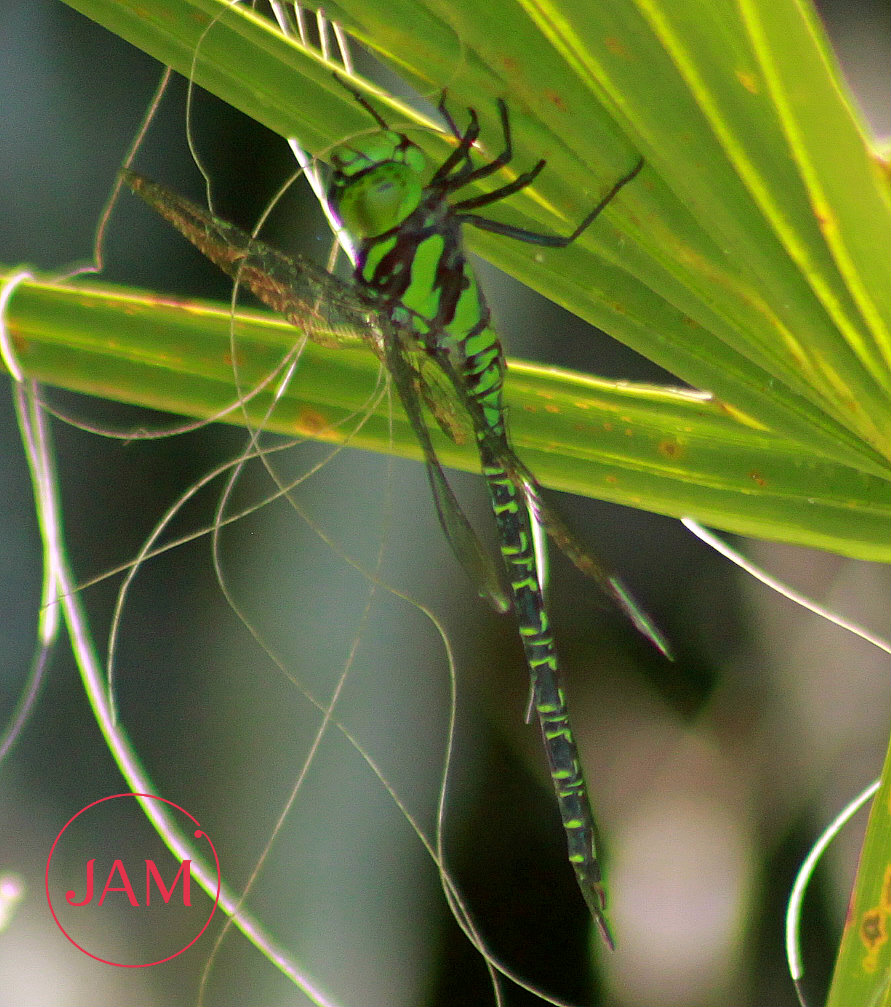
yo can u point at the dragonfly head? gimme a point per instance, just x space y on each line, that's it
376 183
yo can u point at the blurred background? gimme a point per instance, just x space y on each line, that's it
711 776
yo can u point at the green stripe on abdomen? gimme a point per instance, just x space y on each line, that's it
517 550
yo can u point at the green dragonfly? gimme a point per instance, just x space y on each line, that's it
415 302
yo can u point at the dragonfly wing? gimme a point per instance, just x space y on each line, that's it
558 531
330 311
570 545
460 534
439 397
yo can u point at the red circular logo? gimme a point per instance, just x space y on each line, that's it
110 886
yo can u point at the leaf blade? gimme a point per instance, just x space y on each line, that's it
661 449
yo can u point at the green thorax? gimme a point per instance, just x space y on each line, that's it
411 262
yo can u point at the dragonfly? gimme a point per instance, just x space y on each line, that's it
415 301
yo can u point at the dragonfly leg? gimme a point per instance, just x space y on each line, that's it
469 173
362 101
549 240
444 178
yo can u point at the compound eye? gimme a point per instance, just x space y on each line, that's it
383 196
379 199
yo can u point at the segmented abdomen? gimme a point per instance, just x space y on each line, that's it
517 549
436 296
482 370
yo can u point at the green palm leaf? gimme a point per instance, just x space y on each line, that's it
717 266
750 261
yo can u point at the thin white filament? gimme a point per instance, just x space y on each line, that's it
38 450
777 585
802 879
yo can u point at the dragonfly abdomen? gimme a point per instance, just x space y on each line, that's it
518 553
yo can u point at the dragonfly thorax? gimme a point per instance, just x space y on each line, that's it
376 184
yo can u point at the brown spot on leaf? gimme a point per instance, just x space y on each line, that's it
311 421
872 928
555 99
748 80
616 47
670 448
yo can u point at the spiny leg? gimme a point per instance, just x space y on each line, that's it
547 240
363 101
469 174
496 195
468 138
461 153
443 110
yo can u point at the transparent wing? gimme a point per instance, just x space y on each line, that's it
308 296
332 313
570 545
559 532
436 391
463 539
